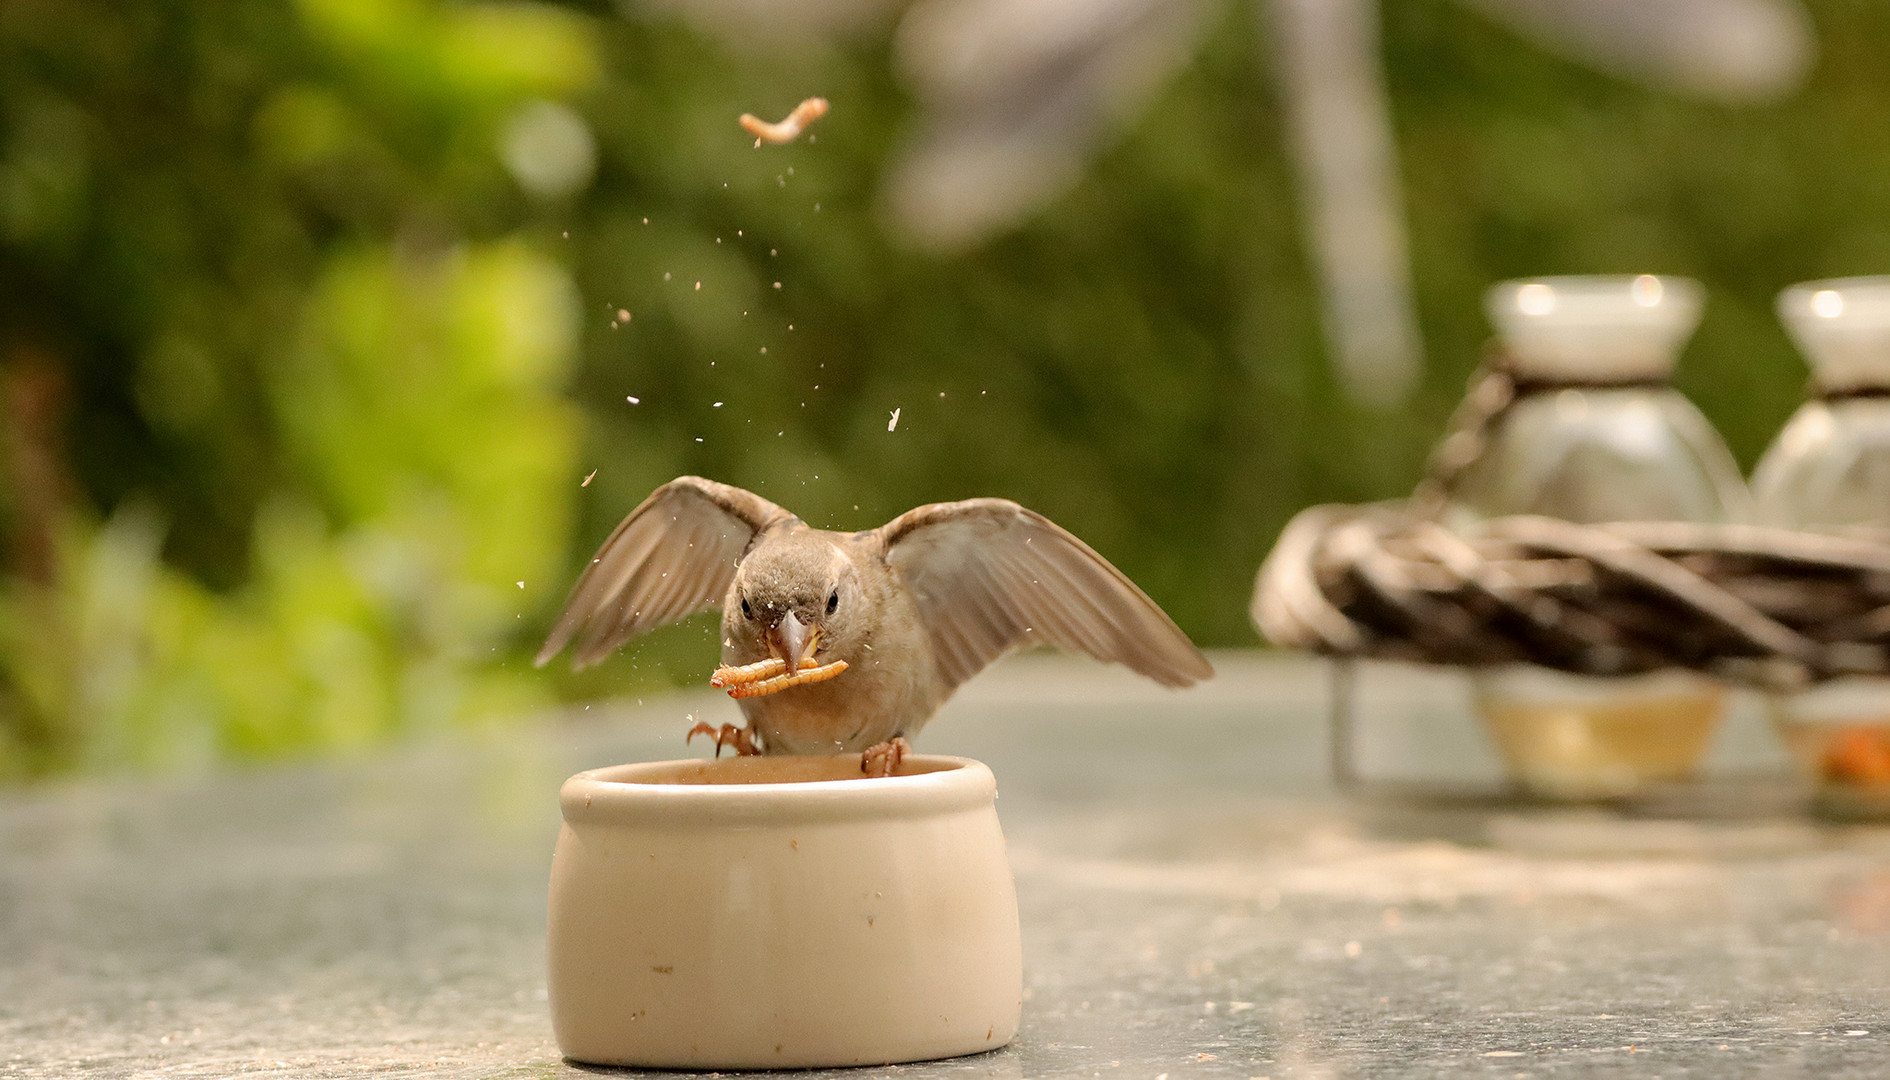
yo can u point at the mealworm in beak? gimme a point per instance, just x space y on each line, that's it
755 672
818 673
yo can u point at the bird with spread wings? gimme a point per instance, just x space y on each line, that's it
882 625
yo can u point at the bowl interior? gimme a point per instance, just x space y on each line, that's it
766 769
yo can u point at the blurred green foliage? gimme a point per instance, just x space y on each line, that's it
303 385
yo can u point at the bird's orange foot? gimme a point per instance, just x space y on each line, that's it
884 759
726 735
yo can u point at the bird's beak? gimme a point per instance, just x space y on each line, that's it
795 639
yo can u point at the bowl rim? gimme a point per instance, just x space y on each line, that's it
611 795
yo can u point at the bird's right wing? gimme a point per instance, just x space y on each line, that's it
674 555
988 575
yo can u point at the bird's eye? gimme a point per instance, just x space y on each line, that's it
833 601
746 610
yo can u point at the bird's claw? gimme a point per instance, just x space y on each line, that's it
884 758
726 735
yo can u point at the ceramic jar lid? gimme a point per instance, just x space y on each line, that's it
1843 327
1595 329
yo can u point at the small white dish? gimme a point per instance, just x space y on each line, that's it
782 912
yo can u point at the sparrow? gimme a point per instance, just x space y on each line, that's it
905 613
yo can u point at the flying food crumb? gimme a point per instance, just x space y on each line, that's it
634 400
521 584
894 422
588 479
622 315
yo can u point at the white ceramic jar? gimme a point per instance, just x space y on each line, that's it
781 912
1594 436
1830 468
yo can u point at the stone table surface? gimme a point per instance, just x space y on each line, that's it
1197 901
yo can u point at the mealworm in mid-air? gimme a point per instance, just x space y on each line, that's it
778 683
789 129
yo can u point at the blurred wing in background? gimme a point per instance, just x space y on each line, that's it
1016 96
1729 51
673 556
988 574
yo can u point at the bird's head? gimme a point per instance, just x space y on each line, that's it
794 596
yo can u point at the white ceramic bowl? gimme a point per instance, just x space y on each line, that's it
782 912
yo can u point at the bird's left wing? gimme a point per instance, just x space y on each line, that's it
988 574
674 555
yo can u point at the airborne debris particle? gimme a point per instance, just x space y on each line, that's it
521 584
587 480
634 400
622 315
717 405
894 422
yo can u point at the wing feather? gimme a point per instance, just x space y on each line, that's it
988 575
672 556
